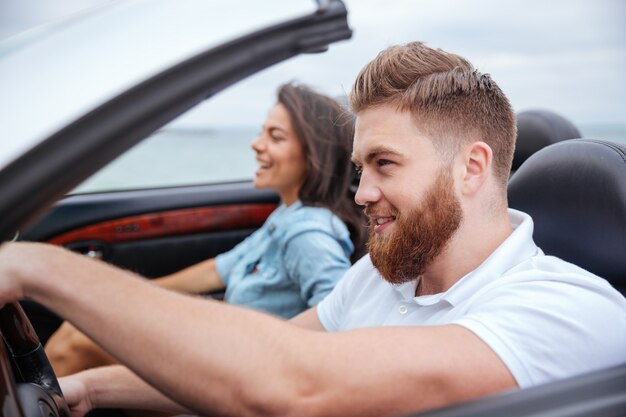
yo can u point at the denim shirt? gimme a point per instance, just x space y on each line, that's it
289 264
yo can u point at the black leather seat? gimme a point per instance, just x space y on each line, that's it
575 190
537 129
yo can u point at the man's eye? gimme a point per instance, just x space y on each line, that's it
383 162
358 170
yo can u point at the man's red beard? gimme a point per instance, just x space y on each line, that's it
420 236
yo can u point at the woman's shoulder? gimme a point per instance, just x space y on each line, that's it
320 215
310 218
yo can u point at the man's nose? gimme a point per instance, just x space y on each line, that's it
368 192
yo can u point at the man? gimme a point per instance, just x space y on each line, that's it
454 302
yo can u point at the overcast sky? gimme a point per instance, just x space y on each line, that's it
564 55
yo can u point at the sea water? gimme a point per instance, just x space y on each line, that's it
179 157
187 157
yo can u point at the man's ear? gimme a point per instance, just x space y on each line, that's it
477 159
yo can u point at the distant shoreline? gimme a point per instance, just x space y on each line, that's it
184 156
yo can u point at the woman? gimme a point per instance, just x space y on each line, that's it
305 245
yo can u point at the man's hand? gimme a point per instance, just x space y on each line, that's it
76 395
13 257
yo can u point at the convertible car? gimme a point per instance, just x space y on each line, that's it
71 104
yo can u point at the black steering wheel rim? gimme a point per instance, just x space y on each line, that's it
37 388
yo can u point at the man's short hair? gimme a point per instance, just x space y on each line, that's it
450 101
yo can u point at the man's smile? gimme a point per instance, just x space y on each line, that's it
382 222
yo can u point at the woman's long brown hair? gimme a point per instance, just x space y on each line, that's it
326 129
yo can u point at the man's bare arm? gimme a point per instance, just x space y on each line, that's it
118 387
308 319
70 351
113 386
216 358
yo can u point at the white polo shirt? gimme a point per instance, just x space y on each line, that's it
545 318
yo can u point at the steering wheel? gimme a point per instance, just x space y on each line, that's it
34 383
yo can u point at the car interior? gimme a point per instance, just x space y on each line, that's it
155 232
575 189
151 232
537 129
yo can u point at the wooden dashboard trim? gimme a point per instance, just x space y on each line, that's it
170 223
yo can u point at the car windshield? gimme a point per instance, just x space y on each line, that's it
96 64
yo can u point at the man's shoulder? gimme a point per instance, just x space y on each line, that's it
542 266
550 273
366 277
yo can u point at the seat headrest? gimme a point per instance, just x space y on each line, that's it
575 191
537 129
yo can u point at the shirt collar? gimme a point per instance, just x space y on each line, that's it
517 247
293 207
274 220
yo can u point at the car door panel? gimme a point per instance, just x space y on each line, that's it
207 230
151 232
